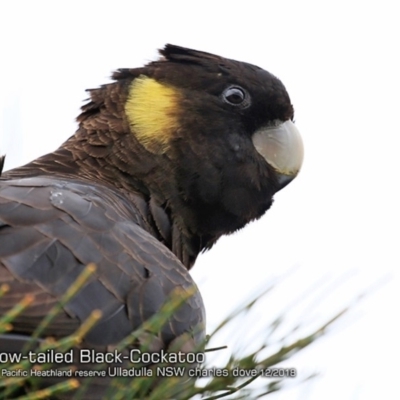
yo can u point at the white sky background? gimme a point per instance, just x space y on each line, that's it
338 222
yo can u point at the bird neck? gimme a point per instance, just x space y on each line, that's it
141 179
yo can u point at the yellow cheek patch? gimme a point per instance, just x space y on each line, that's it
152 110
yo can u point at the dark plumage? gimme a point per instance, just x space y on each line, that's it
163 163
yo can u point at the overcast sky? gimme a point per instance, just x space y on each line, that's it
333 233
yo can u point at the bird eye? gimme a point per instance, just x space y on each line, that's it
236 96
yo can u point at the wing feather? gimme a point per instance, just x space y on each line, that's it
51 229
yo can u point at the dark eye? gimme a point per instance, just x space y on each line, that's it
236 96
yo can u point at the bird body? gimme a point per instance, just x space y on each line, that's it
164 162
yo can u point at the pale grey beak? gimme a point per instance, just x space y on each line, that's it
282 147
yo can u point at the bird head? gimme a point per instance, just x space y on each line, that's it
213 139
